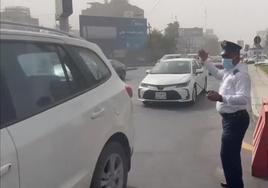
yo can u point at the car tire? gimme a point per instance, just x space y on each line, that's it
145 103
205 85
194 95
105 176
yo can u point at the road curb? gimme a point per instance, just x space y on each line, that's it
255 116
254 107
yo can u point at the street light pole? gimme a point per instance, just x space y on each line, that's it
64 24
64 8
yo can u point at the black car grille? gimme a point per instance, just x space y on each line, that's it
171 95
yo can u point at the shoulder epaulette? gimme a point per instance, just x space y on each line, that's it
235 71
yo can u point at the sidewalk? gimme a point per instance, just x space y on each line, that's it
259 81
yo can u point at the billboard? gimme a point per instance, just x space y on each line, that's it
191 32
115 34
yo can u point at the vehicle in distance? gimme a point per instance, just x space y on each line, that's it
175 80
120 68
255 59
65 114
262 62
169 56
192 56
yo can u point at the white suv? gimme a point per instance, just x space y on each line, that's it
65 114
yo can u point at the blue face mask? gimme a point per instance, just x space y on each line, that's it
227 63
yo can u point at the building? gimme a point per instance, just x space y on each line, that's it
114 8
18 14
118 27
124 39
190 40
209 32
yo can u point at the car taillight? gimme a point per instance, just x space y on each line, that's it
129 91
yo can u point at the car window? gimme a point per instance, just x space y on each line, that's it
94 63
8 113
173 67
35 77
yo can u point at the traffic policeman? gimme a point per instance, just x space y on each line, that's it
233 102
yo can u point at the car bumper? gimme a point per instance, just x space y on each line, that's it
173 94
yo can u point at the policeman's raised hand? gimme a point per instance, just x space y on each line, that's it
203 55
214 96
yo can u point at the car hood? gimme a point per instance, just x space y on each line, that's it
166 79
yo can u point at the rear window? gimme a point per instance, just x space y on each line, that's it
96 66
35 77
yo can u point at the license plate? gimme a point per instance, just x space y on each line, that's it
160 95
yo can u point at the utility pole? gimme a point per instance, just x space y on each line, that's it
64 8
149 32
206 18
64 24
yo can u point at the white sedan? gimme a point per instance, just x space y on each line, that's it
176 80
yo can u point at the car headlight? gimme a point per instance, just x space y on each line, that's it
144 85
183 84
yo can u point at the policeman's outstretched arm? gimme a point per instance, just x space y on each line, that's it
211 68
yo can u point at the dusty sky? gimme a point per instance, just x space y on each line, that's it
230 19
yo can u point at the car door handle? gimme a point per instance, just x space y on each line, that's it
5 169
98 113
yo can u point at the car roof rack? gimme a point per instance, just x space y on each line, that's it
40 28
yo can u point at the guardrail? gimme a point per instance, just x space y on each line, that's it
260 144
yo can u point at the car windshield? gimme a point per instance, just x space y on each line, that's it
172 67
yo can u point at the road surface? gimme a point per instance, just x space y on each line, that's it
178 145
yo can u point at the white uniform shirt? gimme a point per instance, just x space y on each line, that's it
235 88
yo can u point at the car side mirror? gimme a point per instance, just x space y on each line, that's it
148 71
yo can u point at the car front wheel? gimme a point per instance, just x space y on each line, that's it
194 96
111 169
205 85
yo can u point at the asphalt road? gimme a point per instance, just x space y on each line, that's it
177 145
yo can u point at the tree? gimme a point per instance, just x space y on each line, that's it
155 44
160 44
169 44
212 45
172 30
171 37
